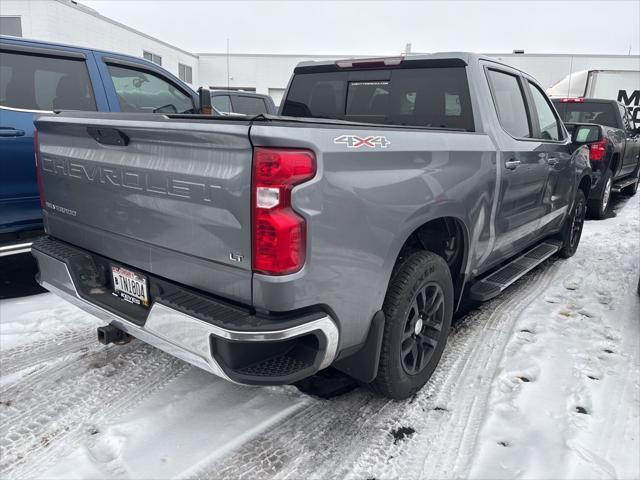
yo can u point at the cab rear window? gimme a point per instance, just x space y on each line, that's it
587 112
423 97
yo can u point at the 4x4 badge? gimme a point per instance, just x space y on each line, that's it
353 141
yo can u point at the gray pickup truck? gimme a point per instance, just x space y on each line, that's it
344 232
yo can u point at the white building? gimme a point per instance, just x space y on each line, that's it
67 21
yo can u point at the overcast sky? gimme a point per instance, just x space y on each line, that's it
384 27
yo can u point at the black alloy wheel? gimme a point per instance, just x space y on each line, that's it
423 328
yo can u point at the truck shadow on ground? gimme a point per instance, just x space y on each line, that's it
617 203
17 276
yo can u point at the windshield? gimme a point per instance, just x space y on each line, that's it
587 112
425 97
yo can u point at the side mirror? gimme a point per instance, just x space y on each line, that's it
586 134
205 107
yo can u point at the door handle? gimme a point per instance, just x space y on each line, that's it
552 161
11 132
512 164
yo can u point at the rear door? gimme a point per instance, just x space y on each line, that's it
523 166
632 144
33 79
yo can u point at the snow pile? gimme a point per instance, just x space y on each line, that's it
566 400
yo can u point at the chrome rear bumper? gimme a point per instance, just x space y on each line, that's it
181 335
15 249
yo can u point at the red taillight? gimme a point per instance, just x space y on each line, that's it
279 233
597 150
572 100
36 149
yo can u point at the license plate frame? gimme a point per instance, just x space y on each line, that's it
130 286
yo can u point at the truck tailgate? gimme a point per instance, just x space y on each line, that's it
170 197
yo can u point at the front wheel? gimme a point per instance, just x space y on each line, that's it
572 228
418 309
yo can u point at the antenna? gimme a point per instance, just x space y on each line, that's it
227 63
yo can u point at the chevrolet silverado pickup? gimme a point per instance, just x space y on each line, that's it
614 155
344 232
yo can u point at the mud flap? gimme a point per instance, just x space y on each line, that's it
363 364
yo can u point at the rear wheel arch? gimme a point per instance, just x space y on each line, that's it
447 237
585 185
615 161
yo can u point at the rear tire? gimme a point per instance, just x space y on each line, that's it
418 309
597 208
572 228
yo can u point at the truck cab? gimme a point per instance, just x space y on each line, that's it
40 77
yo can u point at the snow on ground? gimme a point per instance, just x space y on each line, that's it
541 382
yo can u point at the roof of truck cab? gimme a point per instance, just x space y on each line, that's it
45 44
466 57
51 45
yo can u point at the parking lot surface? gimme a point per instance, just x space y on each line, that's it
541 382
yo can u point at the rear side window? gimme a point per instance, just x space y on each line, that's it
549 125
425 97
221 103
509 101
139 91
588 112
37 82
248 105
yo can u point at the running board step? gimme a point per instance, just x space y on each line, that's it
622 184
496 282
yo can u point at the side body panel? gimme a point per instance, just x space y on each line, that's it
617 138
632 142
363 205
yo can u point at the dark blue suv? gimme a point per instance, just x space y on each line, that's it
43 77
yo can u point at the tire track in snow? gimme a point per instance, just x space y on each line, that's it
350 435
51 349
45 417
446 417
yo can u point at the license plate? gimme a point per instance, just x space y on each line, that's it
130 286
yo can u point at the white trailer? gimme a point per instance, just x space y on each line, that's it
620 85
